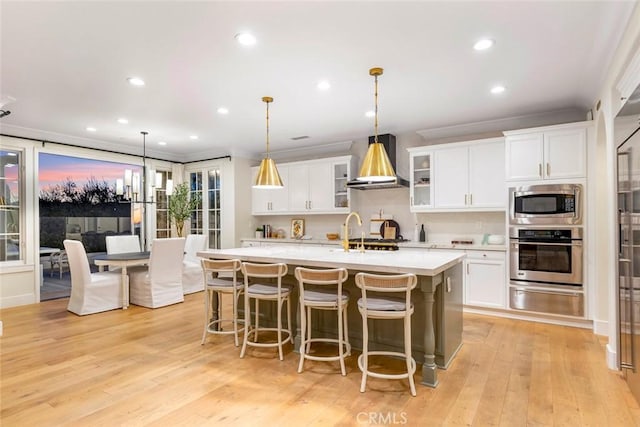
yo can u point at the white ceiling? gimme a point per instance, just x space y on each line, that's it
66 64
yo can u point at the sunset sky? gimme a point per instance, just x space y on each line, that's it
55 169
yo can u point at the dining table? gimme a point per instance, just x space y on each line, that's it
122 261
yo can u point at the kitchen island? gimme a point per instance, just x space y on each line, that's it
437 319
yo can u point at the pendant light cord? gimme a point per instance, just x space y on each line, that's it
375 123
267 129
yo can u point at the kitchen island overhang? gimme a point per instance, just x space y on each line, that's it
437 319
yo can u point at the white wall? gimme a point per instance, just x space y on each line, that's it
610 103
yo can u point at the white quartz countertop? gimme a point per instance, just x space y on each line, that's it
419 262
407 244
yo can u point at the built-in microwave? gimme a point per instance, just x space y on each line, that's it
552 204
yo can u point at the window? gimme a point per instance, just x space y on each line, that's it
196 215
207 217
214 208
10 213
163 222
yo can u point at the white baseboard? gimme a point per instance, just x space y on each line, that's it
612 358
510 314
17 300
601 327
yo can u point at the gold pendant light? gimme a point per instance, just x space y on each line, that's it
376 165
268 176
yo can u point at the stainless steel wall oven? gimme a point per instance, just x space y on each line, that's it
545 267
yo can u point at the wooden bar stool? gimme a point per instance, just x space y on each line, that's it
377 306
322 290
216 286
278 293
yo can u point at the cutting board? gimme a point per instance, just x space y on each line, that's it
389 229
376 222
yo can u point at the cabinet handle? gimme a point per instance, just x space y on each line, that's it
471 198
466 196
411 200
548 169
309 204
540 170
467 268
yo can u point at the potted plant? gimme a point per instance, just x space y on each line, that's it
181 205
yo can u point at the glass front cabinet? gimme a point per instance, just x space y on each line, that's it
421 179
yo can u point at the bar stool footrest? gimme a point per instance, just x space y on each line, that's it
346 352
252 330
387 376
211 326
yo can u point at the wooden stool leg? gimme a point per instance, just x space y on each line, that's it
303 331
343 370
207 304
279 304
365 351
247 322
407 352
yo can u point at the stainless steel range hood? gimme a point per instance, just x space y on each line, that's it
389 143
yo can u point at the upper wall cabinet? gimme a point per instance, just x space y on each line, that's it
311 187
421 190
555 152
270 201
450 177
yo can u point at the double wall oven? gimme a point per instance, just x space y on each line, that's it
545 249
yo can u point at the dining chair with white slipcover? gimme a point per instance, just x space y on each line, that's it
161 283
90 292
122 244
192 278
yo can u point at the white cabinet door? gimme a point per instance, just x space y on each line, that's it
524 157
298 187
280 196
265 202
485 284
321 187
486 175
451 177
565 154
421 181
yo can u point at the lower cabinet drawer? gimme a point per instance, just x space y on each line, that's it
549 302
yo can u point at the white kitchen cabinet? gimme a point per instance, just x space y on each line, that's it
556 152
469 176
271 201
485 281
310 187
421 179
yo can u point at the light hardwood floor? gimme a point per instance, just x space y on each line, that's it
147 367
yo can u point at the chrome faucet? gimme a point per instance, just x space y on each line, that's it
345 238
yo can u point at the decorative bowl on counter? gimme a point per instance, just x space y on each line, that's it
333 236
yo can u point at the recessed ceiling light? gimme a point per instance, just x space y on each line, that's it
162 143
12 154
223 110
483 44
497 89
370 114
10 165
246 39
91 129
323 85
135 81
123 121
194 137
